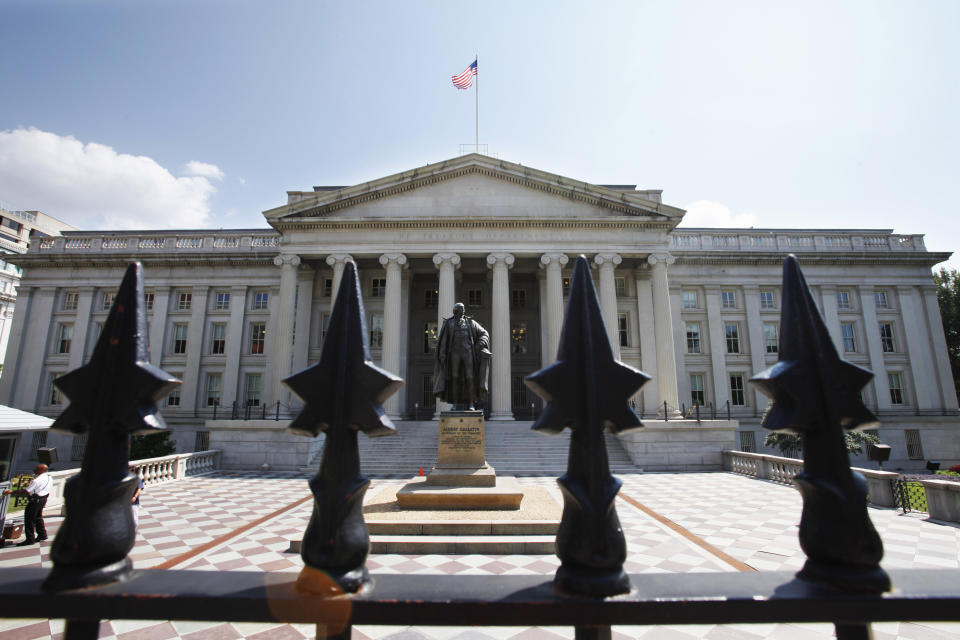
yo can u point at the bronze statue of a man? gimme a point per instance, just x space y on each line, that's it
462 365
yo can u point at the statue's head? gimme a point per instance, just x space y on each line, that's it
458 310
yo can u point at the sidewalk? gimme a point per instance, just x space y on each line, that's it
672 522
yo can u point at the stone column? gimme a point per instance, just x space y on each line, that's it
757 342
663 329
15 346
447 264
718 349
871 328
337 260
234 347
283 334
553 263
947 391
925 388
392 321
831 317
608 297
500 401
78 350
650 393
301 334
158 326
193 385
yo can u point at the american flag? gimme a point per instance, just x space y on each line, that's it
465 79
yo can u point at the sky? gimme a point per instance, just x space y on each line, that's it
202 113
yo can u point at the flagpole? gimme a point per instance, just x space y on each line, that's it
476 112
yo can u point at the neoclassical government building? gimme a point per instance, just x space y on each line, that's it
233 312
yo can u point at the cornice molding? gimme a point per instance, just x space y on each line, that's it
408 224
812 258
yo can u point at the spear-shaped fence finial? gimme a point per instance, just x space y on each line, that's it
816 393
112 397
589 391
343 394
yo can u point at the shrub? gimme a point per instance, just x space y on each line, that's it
154 445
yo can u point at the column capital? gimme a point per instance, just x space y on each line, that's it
440 259
338 258
611 259
287 260
393 258
497 258
660 259
553 258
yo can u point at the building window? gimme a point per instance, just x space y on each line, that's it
202 441
430 337
880 298
78 447
173 400
180 338
218 342
690 300
736 390
474 297
620 285
696 389
213 389
260 300
886 337
914 447
56 396
222 302
728 299
770 340
896 388
843 299
38 440
378 287
518 298
107 300
518 337
849 337
766 302
70 300
431 298
324 326
376 330
732 331
565 285
148 301
693 337
623 329
427 399
253 390
328 287
258 336
64 337
184 301
748 443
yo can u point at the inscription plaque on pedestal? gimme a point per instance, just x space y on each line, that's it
461 440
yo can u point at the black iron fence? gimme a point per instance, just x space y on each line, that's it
910 495
814 392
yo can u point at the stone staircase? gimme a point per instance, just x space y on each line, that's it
512 448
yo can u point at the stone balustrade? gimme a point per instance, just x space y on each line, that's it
152 470
943 499
793 242
782 470
134 243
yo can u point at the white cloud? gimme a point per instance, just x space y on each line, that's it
204 170
705 213
93 187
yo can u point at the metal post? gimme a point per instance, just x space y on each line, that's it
278 411
82 630
698 414
591 632
215 410
728 410
666 416
263 411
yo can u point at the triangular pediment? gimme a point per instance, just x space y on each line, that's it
471 186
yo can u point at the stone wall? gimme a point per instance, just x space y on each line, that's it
249 444
681 445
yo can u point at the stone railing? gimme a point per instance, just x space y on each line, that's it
152 470
154 242
758 465
793 242
943 499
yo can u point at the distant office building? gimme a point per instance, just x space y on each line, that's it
233 312
17 230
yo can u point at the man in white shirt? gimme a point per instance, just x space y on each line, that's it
37 493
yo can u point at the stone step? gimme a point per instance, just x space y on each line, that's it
457 545
463 528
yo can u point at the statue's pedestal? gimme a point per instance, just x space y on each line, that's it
462 478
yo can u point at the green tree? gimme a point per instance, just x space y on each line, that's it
948 295
789 444
154 445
